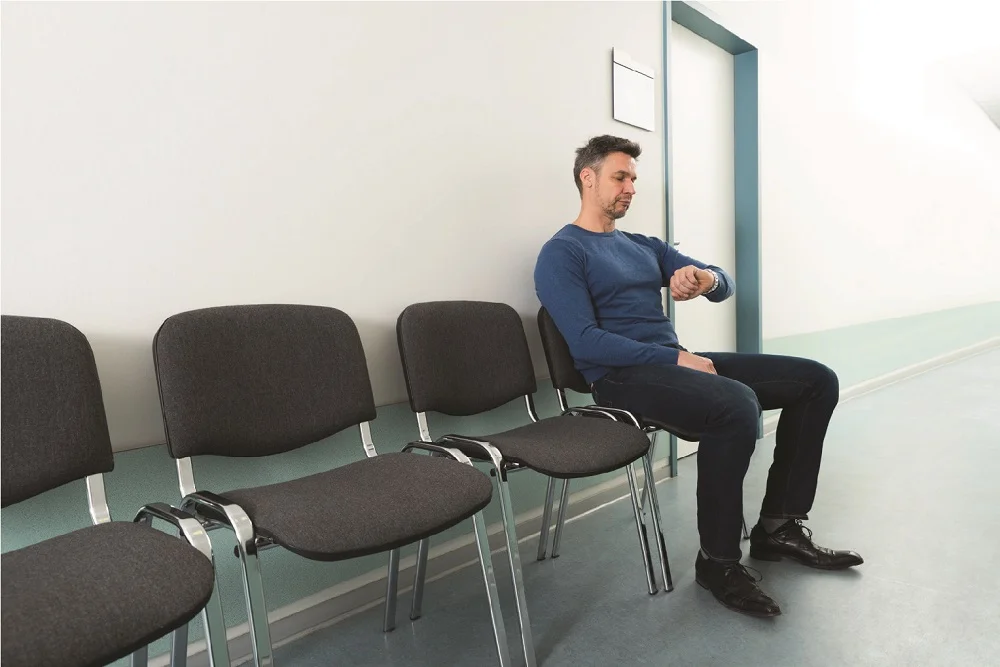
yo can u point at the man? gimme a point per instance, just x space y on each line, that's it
602 287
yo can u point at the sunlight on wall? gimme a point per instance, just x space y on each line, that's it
914 62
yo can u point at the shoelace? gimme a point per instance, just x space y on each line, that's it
745 571
805 531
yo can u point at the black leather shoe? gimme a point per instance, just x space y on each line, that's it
793 540
734 587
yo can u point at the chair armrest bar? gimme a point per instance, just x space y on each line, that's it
489 452
589 410
618 411
212 507
189 526
431 447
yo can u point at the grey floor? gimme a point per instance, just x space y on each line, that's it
911 480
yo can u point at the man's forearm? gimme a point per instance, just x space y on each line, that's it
597 346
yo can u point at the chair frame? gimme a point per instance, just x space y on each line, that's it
194 534
214 511
191 531
500 469
652 429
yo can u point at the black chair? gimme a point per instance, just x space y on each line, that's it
103 592
466 357
258 380
564 375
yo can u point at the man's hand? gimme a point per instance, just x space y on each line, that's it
690 282
688 360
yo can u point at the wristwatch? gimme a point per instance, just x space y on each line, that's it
715 284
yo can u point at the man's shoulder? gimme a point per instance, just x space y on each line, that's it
563 242
642 239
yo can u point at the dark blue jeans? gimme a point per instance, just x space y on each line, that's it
721 412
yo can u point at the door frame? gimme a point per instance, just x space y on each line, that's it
746 164
746 160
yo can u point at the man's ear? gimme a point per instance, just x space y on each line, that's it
588 177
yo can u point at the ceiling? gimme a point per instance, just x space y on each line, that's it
959 36
979 74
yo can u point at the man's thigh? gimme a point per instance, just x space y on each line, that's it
777 380
688 401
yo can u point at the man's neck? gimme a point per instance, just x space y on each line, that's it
595 221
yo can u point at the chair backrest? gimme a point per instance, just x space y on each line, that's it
256 380
463 357
54 428
562 370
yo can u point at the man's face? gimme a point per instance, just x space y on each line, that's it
615 185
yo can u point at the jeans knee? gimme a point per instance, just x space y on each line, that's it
826 382
743 411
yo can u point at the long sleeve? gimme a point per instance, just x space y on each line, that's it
561 286
671 260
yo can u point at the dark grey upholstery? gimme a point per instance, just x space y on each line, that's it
463 357
53 422
570 446
366 507
259 379
562 370
97 594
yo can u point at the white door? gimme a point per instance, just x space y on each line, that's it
701 76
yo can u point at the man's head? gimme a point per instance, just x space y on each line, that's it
605 174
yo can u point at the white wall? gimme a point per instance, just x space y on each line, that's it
879 177
169 156
159 157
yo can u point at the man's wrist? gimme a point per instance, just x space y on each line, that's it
715 281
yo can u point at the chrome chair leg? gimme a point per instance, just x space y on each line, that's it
214 622
651 455
561 520
260 632
661 543
515 568
389 621
140 656
215 508
496 614
543 536
192 530
179 645
641 528
418 579
674 470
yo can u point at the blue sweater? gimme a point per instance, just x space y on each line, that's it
603 291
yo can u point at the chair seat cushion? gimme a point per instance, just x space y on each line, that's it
572 446
366 507
97 594
653 424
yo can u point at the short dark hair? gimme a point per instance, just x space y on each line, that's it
593 154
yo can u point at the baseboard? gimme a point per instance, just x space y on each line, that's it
361 593
920 368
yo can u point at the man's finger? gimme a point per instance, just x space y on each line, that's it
679 284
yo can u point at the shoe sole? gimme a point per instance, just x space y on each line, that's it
757 554
755 614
